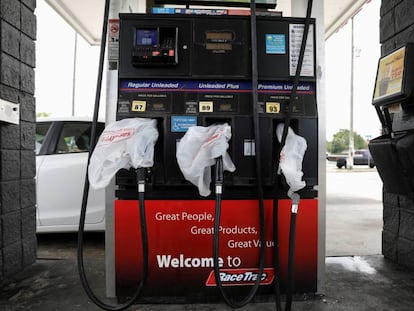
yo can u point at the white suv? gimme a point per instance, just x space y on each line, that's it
61 155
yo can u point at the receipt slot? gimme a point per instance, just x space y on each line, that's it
185 70
394 101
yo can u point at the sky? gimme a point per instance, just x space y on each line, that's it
55 65
338 74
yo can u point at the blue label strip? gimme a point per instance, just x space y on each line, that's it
157 10
213 86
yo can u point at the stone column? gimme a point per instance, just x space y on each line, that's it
17 141
396 29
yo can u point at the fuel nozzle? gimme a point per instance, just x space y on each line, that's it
141 179
219 175
199 149
295 201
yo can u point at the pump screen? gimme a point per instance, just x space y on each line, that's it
146 37
390 74
215 36
218 46
158 106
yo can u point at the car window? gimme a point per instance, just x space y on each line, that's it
41 131
75 137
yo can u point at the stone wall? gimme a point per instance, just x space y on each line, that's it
397 24
17 142
396 29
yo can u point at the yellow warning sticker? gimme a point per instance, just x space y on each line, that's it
139 106
272 107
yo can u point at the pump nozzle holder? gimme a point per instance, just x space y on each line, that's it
198 151
123 144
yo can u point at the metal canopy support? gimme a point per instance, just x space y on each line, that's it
116 7
299 9
111 97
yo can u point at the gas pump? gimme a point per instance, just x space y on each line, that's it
393 100
185 70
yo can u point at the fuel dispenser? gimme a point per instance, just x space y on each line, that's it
257 89
393 100
195 70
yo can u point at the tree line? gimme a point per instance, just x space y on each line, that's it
340 142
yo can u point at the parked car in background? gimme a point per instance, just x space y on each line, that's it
62 146
361 157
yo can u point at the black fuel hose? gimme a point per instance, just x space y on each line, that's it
229 301
292 230
291 257
144 238
219 175
80 260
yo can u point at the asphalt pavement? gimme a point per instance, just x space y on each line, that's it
353 211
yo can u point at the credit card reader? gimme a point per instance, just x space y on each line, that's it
155 47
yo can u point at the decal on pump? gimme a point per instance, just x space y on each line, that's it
241 277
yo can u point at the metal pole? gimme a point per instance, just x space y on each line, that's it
116 7
110 111
298 8
351 125
75 52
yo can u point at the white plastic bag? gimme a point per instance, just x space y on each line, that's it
123 144
291 157
197 151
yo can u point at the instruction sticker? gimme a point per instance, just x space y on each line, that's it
113 40
295 41
275 44
180 124
191 107
249 147
123 106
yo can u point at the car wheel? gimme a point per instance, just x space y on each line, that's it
372 165
339 165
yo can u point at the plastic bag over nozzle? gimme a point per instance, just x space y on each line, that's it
123 144
291 158
197 151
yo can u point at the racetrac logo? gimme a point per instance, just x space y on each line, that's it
241 277
113 136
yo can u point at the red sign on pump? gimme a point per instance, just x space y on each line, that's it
180 234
